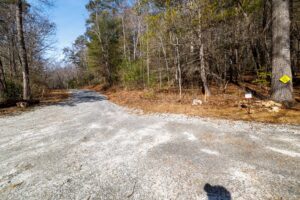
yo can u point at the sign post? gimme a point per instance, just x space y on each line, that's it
249 96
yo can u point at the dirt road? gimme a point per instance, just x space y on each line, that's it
89 148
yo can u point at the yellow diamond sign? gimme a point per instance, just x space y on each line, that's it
285 79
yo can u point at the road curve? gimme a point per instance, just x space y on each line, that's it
89 148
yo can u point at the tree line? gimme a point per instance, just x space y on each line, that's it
178 44
190 44
25 37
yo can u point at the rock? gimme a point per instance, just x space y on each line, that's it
197 102
22 104
275 109
270 104
243 106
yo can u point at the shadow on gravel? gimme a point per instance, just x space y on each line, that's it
216 192
83 97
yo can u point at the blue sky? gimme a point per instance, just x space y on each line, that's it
69 17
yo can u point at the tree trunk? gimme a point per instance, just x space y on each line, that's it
238 66
166 59
179 68
104 51
136 37
203 72
12 59
201 57
148 58
2 83
107 68
22 50
281 56
124 40
160 70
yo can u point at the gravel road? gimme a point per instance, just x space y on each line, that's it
89 148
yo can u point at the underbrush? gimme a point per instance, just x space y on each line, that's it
220 105
48 97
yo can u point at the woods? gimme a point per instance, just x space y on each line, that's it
150 99
152 44
191 44
25 38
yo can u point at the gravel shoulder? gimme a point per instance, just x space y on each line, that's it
89 148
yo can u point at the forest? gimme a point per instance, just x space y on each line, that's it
190 44
150 99
25 37
178 45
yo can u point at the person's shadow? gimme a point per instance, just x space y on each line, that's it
216 192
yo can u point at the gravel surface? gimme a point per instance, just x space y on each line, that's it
89 148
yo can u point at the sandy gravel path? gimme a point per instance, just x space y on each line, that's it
89 148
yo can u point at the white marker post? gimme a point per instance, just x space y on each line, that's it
249 96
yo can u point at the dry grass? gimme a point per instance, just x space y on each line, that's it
54 96
11 110
97 88
50 97
223 106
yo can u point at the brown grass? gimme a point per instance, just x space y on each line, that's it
50 97
97 88
223 106
54 96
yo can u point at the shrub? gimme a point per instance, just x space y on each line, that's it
263 77
134 75
13 90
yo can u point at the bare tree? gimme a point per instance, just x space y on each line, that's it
22 49
2 82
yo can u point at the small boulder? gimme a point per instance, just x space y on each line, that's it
270 104
243 104
197 102
275 109
22 104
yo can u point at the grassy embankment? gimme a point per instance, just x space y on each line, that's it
50 97
229 105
